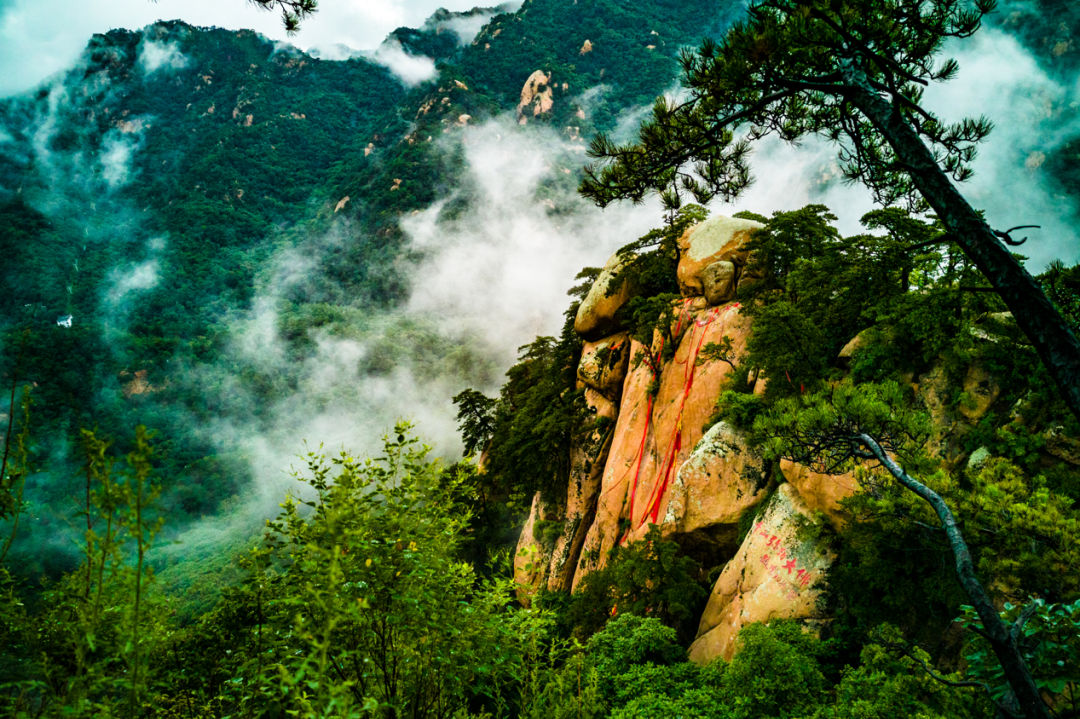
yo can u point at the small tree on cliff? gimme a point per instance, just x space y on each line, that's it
829 430
852 71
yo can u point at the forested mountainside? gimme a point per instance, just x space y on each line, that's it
152 190
214 247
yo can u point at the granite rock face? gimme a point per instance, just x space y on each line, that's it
717 239
596 316
773 576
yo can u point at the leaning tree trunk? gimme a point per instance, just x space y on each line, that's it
1032 309
1001 640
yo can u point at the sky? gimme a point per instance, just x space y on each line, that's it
39 38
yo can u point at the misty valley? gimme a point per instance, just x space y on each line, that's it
561 358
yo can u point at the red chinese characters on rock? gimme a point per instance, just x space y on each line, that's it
801 578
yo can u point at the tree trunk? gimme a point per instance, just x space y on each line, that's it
1031 308
1001 641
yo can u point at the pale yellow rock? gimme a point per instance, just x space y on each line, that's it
604 363
773 576
647 452
537 94
715 487
981 391
596 315
531 559
821 492
718 282
587 459
847 352
717 238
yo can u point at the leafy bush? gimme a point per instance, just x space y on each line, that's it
774 674
629 640
643 578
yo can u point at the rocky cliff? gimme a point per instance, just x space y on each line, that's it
656 460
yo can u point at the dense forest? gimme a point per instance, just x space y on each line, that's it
883 420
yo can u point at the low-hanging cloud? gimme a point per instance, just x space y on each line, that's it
485 279
124 281
410 69
468 25
116 155
155 56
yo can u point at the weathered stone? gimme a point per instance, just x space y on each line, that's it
722 480
847 352
649 449
716 239
531 557
629 427
773 576
604 363
981 391
978 458
596 316
821 492
718 281
1061 446
535 94
587 459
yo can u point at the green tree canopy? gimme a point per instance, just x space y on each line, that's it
852 71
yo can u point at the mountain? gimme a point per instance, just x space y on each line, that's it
152 190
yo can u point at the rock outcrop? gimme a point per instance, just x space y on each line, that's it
604 364
721 481
718 239
655 434
536 94
821 492
596 315
775 575
587 460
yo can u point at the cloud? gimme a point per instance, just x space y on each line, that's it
116 156
469 24
410 69
39 38
1032 113
485 279
123 282
155 56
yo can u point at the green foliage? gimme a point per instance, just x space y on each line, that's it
774 674
817 429
85 646
537 417
646 578
629 640
476 413
1049 638
885 685
375 610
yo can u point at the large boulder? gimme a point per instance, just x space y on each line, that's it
587 459
719 283
655 435
604 363
596 315
821 492
722 480
715 240
773 576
